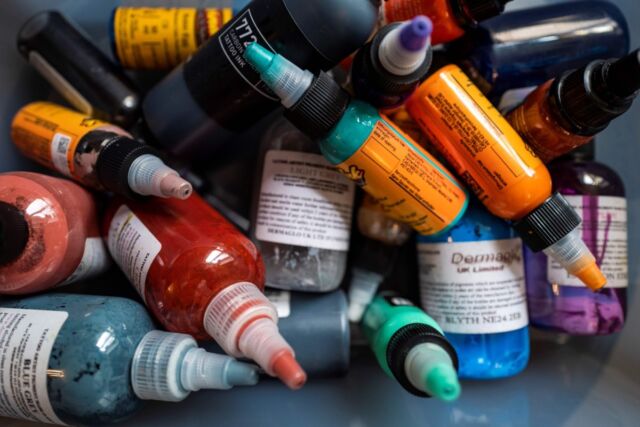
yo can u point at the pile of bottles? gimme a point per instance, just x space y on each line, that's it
451 120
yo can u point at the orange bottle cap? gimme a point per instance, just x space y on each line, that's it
592 276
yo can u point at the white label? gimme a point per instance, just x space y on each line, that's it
132 246
59 153
474 287
281 300
26 341
95 260
604 230
304 201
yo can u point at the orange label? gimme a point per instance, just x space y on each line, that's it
49 134
410 185
159 38
471 133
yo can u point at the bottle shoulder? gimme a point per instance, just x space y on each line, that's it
586 178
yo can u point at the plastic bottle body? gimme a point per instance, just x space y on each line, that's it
492 159
598 193
312 324
528 47
194 254
536 120
300 267
209 86
450 287
89 380
62 224
438 200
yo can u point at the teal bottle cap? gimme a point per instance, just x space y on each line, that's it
281 76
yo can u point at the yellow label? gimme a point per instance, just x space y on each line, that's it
159 38
49 134
409 184
216 18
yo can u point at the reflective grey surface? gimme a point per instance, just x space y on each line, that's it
583 382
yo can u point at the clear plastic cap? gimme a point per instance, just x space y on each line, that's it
404 49
244 323
149 176
362 289
168 366
575 257
282 76
430 369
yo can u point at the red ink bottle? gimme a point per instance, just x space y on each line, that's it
199 275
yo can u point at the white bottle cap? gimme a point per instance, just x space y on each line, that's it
149 176
168 366
362 289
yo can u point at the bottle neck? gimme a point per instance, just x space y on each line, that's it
14 233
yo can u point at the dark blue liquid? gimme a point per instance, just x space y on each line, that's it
528 47
94 350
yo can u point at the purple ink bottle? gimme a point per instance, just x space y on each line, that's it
556 300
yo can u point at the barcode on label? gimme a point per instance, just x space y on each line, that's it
63 144
60 153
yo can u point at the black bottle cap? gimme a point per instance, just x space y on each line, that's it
405 339
77 69
548 223
115 159
589 98
367 66
473 11
14 233
336 28
320 108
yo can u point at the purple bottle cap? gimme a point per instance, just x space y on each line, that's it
415 34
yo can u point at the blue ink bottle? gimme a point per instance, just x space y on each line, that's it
472 283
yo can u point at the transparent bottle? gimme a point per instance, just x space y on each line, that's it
301 216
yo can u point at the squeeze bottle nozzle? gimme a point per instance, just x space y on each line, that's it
282 76
148 175
430 369
244 323
404 49
575 257
168 366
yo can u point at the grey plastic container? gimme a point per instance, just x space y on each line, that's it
577 382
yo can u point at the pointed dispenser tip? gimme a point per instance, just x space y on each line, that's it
442 382
176 187
592 277
239 373
259 57
414 36
288 370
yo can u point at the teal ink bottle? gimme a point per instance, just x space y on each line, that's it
410 184
94 359
472 282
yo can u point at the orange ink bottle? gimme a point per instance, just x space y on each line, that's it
505 174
